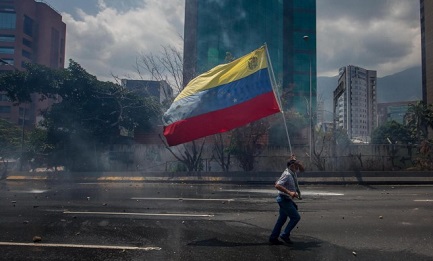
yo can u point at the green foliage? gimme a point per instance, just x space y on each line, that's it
424 160
38 142
10 140
19 85
87 116
393 132
419 117
97 110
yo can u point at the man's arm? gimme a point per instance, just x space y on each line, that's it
293 194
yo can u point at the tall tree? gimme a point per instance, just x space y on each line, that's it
392 132
418 120
88 115
168 66
164 66
10 141
247 143
189 154
20 85
221 152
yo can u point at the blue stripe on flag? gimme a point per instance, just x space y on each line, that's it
219 97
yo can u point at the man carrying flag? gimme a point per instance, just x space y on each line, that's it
226 97
287 191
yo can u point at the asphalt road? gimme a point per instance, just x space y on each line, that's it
166 221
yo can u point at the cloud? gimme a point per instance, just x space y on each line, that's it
377 35
110 41
382 35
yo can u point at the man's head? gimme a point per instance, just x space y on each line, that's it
292 164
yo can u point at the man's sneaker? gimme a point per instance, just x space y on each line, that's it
287 240
275 242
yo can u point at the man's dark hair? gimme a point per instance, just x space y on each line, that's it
291 162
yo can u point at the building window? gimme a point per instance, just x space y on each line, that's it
54 55
5 109
28 26
27 54
8 20
9 38
27 43
7 62
7 50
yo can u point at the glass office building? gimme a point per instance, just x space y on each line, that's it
218 29
426 17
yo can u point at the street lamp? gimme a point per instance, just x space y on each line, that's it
306 40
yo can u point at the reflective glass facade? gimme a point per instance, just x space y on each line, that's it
213 28
8 20
426 12
7 50
8 38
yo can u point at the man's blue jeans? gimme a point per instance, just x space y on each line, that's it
287 209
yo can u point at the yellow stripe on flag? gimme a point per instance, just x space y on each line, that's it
226 73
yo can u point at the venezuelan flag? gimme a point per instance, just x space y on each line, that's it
226 97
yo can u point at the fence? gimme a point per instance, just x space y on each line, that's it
156 158
354 157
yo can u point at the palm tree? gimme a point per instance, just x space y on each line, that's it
419 119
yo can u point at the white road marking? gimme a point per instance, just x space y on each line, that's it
37 191
423 200
188 199
274 191
320 193
137 214
79 246
33 191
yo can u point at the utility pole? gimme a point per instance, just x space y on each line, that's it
310 112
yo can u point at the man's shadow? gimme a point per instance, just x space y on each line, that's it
303 245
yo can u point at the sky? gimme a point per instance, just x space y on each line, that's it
106 37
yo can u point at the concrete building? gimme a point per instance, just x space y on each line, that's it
393 111
216 31
355 103
30 32
426 10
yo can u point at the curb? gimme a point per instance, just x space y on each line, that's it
235 179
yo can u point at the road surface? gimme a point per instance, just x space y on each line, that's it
171 221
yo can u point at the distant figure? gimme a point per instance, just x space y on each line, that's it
287 190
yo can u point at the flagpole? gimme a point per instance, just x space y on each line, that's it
273 84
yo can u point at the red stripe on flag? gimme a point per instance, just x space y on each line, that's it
222 120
